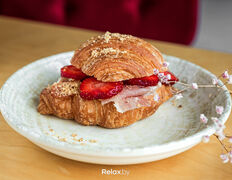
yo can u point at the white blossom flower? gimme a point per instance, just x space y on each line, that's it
203 118
230 139
215 119
156 98
225 75
165 64
156 71
215 81
160 75
178 96
230 154
220 126
205 139
162 78
221 136
219 132
194 86
230 79
168 76
219 109
225 158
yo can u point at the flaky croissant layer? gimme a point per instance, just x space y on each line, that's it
92 112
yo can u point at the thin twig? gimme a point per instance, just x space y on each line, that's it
221 143
180 91
228 136
202 85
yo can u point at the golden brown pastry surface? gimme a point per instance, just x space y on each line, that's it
92 112
110 57
116 57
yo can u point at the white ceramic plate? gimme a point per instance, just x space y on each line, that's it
171 130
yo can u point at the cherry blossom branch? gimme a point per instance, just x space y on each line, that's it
219 134
196 86
219 126
223 145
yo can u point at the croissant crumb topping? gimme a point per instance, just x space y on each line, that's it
96 53
106 38
63 89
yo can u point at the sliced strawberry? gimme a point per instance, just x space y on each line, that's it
144 81
72 72
91 89
172 79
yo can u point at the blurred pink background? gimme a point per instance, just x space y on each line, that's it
201 23
167 20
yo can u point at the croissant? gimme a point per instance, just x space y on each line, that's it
111 57
117 57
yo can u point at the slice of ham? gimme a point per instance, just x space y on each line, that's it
132 97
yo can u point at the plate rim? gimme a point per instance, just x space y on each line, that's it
115 152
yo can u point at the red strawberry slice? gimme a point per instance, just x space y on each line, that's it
72 72
91 89
144 81
172 80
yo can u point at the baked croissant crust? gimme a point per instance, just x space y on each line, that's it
116 57
110 57
55 100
